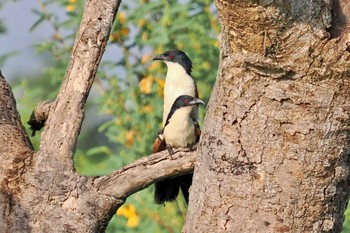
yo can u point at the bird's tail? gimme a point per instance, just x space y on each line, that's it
167 190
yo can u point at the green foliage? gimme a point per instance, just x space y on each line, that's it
346 223
2 28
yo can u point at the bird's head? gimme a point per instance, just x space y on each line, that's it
182 102
176 56
186 100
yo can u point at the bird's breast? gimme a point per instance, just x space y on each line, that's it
180 130
176 86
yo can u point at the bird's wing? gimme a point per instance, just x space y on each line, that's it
159 143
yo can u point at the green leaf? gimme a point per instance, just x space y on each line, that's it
37 23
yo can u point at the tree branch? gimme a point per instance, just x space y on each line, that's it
9 115
67 112
144 172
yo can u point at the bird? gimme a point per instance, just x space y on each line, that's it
178 82
180 131
178 79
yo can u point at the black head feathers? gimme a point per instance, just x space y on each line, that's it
183 101
176 56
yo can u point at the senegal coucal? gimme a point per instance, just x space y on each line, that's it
178 82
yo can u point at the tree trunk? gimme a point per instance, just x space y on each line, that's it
41 192
274 154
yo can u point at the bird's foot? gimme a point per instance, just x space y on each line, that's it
193 147
181 149
171 151
187 149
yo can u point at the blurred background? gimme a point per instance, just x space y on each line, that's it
124 109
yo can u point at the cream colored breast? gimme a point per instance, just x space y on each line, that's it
180 130
177 83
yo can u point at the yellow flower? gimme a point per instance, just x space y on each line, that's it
130 134
160 82
70 8
160 92
118 121
147 108
133 221
123 211
197 46
119 35
145 58
145 85
206 65
108 111
145 36
124 31
129 211
154 66
114 36
141 22
160 88
122 17
72 1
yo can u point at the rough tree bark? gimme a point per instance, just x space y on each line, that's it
274 156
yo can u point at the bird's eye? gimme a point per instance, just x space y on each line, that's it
171 56
186 101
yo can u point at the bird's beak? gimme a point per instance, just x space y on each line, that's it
159 57
196 102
